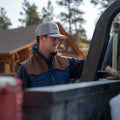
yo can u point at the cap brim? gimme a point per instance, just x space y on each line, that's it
58 35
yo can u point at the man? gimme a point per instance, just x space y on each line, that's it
45 67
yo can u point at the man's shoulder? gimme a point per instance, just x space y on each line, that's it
61 62
28 60
61 57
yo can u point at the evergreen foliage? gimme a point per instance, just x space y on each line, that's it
30 14
4 20
47 13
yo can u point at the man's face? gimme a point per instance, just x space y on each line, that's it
52 44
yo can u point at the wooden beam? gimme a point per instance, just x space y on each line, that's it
5 58
70 41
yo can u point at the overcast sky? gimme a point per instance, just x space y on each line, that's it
13 8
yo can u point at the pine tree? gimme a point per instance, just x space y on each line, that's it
47 13
103 3
4 20
73 16
30 14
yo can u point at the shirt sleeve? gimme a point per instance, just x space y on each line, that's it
22 74
76 67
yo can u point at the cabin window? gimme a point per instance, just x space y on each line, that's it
7 68
1 67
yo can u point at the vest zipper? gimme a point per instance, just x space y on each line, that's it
53 79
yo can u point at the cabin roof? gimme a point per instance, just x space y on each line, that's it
13 39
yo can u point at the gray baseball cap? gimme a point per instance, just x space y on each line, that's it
50 29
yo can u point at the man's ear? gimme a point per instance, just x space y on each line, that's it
42 38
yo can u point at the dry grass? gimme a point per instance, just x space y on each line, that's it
84 48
